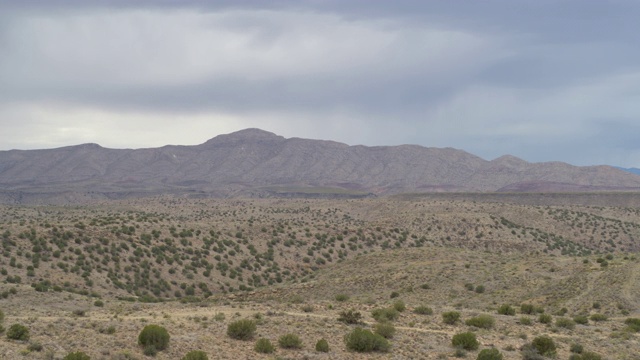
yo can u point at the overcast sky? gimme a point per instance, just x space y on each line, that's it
539 79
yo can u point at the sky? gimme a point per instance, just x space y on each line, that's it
543 80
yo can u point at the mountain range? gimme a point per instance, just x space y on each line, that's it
258 163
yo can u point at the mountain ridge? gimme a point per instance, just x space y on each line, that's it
252 162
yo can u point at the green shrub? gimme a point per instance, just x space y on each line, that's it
588 355
465 340
394 294
342 297
423 310
361 340
544 345
350 317
566 323
450 317
18 332
322 346
481 321
385 329
399 306
525 320
79 355
527 309
264 346
154 335
242 329
545 319
633 324
1 316
195 355
34 346
581 319
150 350
385 314
598 317
290 341
506 309
576 348
489 354
98 303
480 289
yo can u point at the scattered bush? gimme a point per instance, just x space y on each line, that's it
465 340
242 329
322 346
527 309
450 317
399 306
350 317
385 314
154 336
544 345
489 354
576 348
480 289
385 329
423 310
566 323
98 303
79 355
18 332
195 355
588 355
581 319
264 346
394 294
290 341
35 346
361 340
545 319
525 320
506 310
598 317
481 321
633 324
342 297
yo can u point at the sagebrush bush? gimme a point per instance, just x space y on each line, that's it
544 345
633 324
576 348
588 355
545 319
384 329
154 336
342 297
465 340
506 309
290 341
565 323
385 314
264 346
322 346
450 317
243 329
423 310
481 321
78 355
18 332
195 355
525 320
350 317
598 317
527 309
489 354
581 319
399 305
361 340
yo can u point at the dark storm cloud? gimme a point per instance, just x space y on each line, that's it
532 78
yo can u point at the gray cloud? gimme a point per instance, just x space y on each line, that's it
537 79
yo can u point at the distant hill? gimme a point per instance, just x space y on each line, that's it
258 163
631 170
